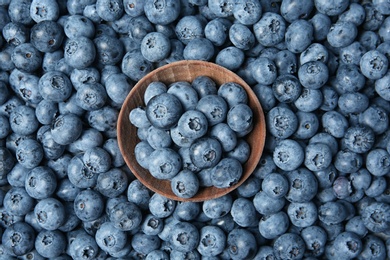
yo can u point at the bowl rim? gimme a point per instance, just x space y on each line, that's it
122 131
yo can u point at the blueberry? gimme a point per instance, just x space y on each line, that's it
275 185
78 25
347 244
18 202
144 244
247 12
376 118
84 246
270 29
204 177
294 33
43 10
91 96
265 95
286 88
343 82
241 151
112 183
109 50
110 239
142 152
334 123
288 155
164 110
187 211
109 10
266 205
26 57
206 152
138 117
377 162
216 31
241 36
4 92
313 74
302 214
5 128
66 128
331 213
97 160
241 244
225 135
162 12
55 86
185 93
285 62
160 206
164 163
40 182
19 11
212 241
240 119
273 225
153 89
303 185
250 187
381 87
133 8
158 138
293 10
29 153
45 111
230 57
264 70
330 98
373 247
49 213
331 8
347 161
244 212
214 107
79 52
49 243
88 75
218 207
222 8
185 184
353 102
318 156
265 252
88 205
23 120
18 238
199 49
184 237
152 225
281 122
226 173
155 46
204 86
125 216
373 64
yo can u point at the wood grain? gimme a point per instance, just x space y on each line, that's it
187 71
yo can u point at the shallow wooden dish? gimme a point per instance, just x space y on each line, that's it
187 71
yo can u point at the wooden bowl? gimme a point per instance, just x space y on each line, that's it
187 71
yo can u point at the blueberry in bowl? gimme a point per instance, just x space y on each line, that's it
184 77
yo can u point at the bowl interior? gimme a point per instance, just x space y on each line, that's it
187 71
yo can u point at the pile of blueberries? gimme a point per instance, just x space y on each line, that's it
192 133
318 67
